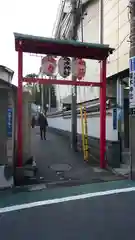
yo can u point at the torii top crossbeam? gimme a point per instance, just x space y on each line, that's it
42 45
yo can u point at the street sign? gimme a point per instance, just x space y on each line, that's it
9 122
48 65
64 66
132 82
79 68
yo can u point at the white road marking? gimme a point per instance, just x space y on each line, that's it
65 199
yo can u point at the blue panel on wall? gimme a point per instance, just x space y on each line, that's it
114 118
132 64
9 122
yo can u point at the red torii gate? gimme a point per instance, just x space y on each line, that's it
41 45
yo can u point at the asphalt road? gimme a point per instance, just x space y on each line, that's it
106 217
56 150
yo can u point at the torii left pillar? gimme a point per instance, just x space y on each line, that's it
19 107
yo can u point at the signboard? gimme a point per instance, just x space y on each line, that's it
132 82
79 68
9 122
48 65
64 66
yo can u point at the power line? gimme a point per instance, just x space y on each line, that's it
118 16
122 42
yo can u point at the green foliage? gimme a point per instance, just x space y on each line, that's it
46 89
31 75
36 92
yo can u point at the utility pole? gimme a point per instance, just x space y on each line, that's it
49 100
42 94
74 88
81 22
120 95
132 88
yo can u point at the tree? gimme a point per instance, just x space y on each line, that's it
31 75
36 92
32 86
49 89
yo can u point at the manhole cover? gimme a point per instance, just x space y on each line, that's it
62 167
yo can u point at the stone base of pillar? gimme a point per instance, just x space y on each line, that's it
27 174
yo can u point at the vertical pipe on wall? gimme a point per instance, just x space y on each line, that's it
19 107
103 114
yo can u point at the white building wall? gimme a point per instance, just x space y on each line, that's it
91 35
64 123
116 34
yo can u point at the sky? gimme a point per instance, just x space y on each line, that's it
29 17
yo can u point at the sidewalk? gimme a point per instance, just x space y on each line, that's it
57 163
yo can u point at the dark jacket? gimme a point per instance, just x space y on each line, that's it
42 121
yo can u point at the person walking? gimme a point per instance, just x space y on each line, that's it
43 125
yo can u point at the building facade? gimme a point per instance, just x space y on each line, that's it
116 30
116 34
7 126
8 130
